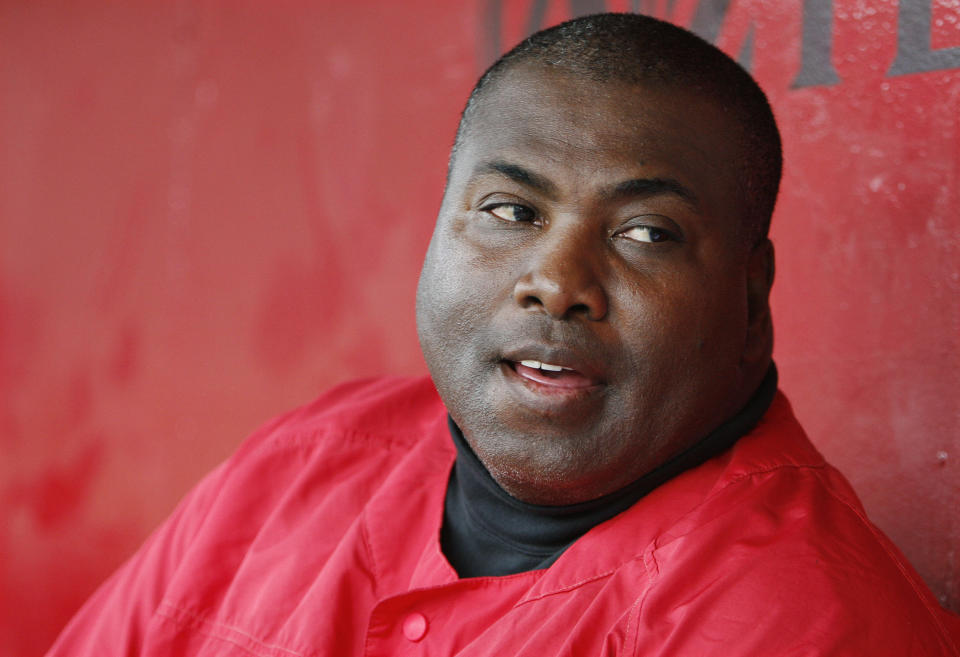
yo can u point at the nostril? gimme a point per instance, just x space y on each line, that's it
530 300
581 309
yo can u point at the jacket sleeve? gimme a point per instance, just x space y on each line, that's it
122 613
113 621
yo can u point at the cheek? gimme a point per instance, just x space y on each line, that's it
720 338
458 288
682 318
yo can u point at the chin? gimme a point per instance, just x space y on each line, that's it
546 466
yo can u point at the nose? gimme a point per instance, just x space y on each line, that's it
563 277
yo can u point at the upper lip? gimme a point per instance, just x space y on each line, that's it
565 356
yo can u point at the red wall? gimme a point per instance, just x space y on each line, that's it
211 211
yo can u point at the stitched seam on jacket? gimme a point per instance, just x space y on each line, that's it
368 548
654 544
735 480
218 630
633 624
569 587
651 569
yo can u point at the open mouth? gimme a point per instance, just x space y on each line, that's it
550 374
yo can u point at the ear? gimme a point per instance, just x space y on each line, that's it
760 271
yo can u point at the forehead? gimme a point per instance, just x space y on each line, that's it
545 119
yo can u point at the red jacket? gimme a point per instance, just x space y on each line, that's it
320 536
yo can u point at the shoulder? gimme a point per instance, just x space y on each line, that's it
349 438
392 409
782 554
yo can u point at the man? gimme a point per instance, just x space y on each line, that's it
617 473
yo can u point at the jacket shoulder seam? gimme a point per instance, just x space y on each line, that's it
656 544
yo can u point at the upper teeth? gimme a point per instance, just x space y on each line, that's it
536 364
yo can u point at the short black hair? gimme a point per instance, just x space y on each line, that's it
635 49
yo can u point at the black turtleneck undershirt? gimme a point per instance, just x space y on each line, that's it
488 532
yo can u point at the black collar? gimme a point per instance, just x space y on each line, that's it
486 531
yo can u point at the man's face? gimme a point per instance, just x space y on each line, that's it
592 227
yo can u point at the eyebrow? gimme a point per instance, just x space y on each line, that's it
651 187
623 190
518 174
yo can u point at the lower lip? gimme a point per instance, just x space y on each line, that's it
567 387
564 379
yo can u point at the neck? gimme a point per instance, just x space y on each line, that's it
486 531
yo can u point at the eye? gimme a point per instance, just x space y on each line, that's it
649 234
511 212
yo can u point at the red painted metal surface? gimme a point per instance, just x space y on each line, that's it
208 213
